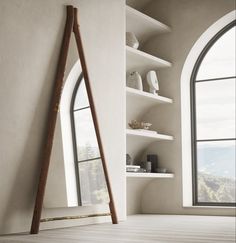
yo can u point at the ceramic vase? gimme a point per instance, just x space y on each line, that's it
134 80
131 40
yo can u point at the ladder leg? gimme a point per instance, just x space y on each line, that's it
93 111
51 122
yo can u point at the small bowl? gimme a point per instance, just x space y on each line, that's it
161 170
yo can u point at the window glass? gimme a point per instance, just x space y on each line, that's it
215 109
92 183
216 171
81 98
220 59
86 140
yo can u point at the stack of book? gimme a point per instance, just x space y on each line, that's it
132 168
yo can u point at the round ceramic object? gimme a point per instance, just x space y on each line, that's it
131 40
134 80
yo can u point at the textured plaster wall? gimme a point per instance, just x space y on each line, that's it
188 20
30 37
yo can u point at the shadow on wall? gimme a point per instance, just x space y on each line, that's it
138 4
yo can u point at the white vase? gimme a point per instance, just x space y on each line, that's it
131 40
134 80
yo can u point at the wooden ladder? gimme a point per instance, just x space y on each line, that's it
71 26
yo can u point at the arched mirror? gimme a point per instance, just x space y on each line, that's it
91 185
75 158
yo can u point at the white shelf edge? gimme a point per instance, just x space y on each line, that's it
157 136
149 175
148 95
148 56
147 18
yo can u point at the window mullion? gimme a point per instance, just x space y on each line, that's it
214 79
86 160
215 139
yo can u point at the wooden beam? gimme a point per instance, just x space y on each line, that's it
75 217
51 120
80 49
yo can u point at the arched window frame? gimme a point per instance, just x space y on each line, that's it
73 132
186 139
193 116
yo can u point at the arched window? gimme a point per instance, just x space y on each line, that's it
91 185
213 121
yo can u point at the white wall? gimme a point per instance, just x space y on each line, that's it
188 20
30 37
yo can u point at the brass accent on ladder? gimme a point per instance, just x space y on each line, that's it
71 25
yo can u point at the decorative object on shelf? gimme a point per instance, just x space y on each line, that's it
132 168
149 166
152 82
129 160
134 80
161 170
131 40
145 166
139 125
142 170
154 160
142 164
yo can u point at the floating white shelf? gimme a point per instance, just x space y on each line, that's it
139 102
142 25
150 175
138 140
140 61
147 134
145 96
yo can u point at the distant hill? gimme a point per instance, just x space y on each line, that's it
215 188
